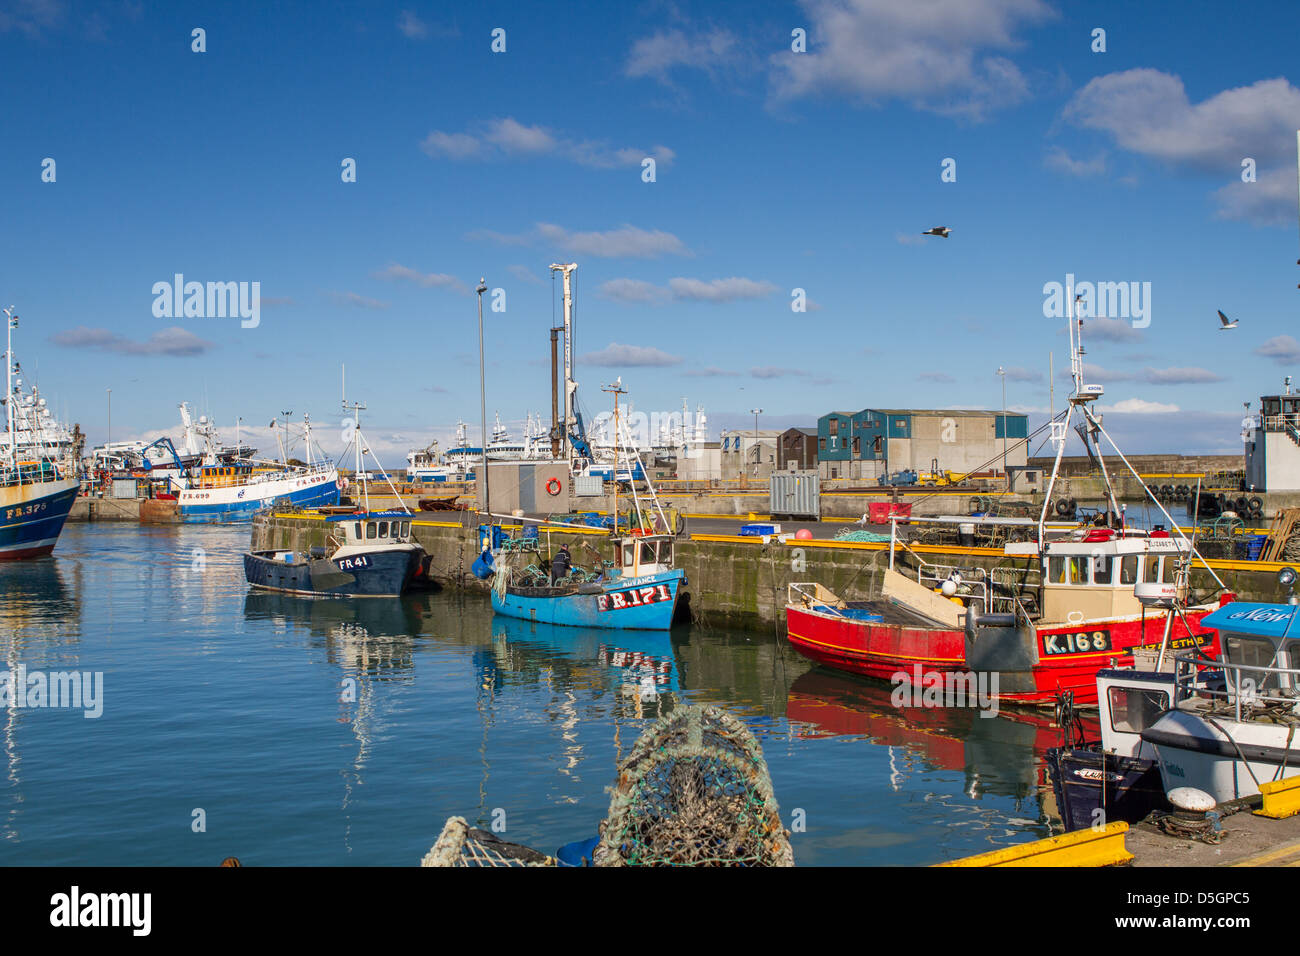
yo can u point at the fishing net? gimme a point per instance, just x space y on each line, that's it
459 844
694 791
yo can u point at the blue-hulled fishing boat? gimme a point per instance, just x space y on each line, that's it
639 590
35 493
369 554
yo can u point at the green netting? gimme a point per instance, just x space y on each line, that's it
855 535
694 791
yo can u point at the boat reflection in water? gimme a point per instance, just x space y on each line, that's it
40 627
638 666
999 756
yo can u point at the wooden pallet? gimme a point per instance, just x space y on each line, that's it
1285 523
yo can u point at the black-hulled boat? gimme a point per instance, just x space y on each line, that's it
1118 775
369 554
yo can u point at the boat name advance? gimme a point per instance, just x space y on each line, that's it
633 597
1082 642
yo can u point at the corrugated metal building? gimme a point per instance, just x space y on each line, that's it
796 449
874 442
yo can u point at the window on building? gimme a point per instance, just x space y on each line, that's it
857 445
833 426
821 444
877 446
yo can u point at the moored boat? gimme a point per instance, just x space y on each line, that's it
35 493
369 554
1059 608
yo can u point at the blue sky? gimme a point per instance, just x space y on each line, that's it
776 170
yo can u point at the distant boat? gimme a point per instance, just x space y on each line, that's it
35 494
235 492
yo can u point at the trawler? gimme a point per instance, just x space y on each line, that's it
36 493
1060 608
234 491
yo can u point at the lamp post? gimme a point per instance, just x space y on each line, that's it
482 389
110 417
1003 374
758 451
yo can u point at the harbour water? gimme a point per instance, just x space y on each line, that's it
287 730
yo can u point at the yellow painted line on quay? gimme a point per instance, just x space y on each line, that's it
1100 847
1286 855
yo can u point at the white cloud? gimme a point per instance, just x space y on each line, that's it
412 26
1141 406
1282 349
657 55
351 298
525 274
1111 330
627 241
616 355
1059 159
174 342
503 138
426 280
719 290
940 55
1149 113
633 290
1180 376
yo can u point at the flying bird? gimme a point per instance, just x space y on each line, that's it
1226 324
937 231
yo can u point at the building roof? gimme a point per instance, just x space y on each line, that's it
950 412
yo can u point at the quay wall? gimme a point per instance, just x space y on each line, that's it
737 582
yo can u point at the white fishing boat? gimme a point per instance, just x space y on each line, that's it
234 491
36 493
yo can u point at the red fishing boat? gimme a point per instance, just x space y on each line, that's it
1044 621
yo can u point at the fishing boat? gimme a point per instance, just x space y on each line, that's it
1233 720
368 553
639 590
371 554
234 491
1059 608
36 494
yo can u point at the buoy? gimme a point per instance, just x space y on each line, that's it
803 534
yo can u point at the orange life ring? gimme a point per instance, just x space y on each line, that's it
553 486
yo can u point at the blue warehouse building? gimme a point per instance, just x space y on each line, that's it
873 442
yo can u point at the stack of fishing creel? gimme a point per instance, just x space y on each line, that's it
459 844
694 791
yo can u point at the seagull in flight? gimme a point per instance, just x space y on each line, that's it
1226 324
942 231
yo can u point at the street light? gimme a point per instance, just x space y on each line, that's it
110 417
1003 373
758 452
482 389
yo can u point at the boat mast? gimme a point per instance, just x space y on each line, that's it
618 389
11 320
570 386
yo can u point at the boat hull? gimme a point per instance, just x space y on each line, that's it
1227 761
1087 780
32 517
1063 658
645 603
240 503
384 573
